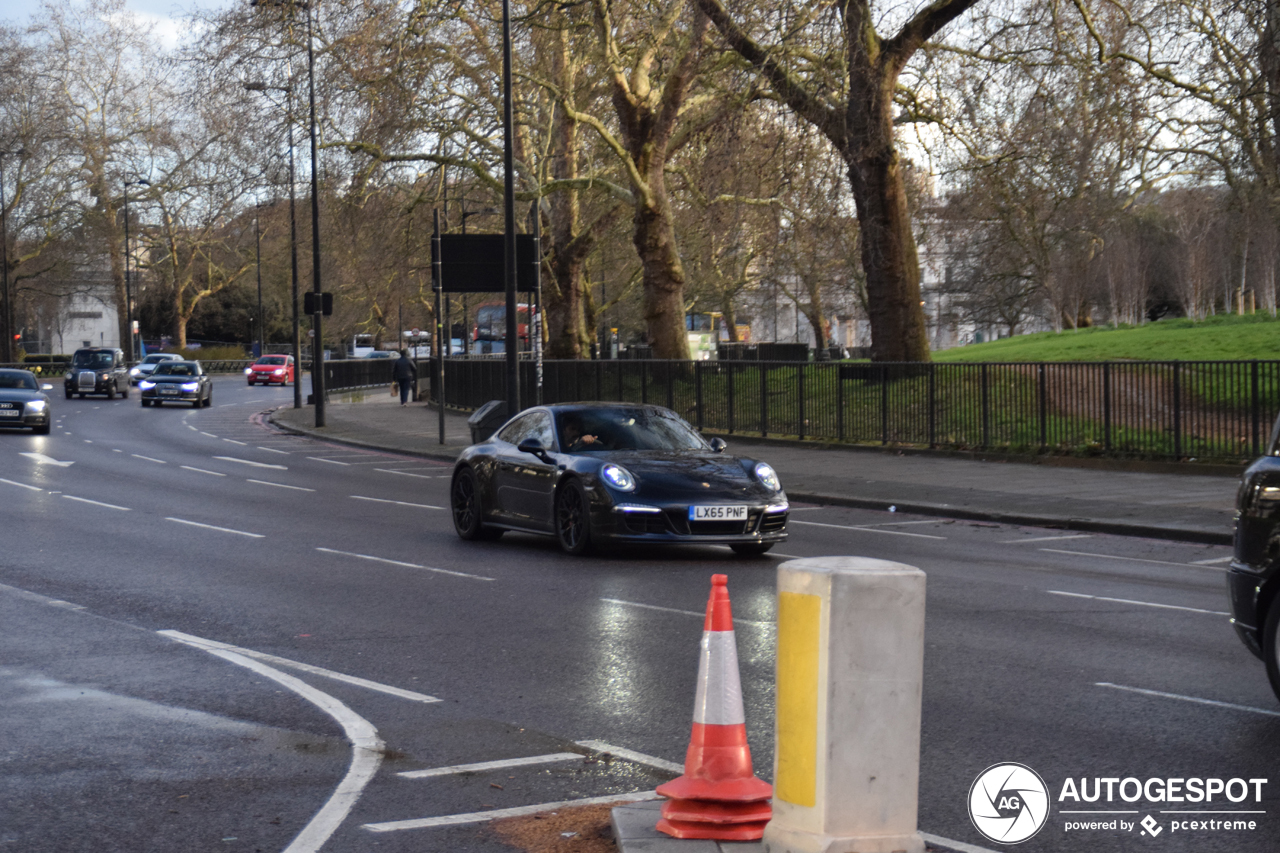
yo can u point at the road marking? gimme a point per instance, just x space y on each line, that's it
407 474
869 529
23 485
305 667
86 441
96 503
211 435
193 429
330 461
148 458
695 613
251 462
1215 560
900 523
366 749
482 817
632 755
958 846
116 450
47 460
1142 603
785 556
398 503
273 450
202 471
213 527
1131 559
406 565
233 441
491 765
1046 538
281 485
1193 699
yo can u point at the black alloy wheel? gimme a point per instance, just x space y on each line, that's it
751 549
1271 646
111 391
208 401
573 518
464 500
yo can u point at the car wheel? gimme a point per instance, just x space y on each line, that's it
250 383
1271 646
68 393
146 404
111 391
751 549
41 430
573 518
208 401
464 500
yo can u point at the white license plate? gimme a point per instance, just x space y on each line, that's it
10 413
170 390
717 513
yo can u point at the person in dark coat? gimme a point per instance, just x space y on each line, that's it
405 373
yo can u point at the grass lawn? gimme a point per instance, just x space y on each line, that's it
1223 337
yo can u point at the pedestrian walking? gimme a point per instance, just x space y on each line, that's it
406 374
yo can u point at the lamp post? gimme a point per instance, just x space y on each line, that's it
293 234
128 289
257 251
509 220
4 263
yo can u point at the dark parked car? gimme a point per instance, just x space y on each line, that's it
97 370
22 401
1253 579
590 473
177 382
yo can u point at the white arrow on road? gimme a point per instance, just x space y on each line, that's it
47 460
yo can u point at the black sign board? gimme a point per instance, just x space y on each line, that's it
472 263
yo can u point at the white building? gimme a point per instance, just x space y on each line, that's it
85 317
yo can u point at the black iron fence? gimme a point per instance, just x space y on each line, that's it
351 373
1202 409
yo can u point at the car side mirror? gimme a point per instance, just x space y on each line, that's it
533 446
718 445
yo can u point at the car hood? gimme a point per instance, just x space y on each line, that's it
268 368
174 379
19 395
691 474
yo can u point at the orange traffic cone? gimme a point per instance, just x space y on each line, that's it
719 795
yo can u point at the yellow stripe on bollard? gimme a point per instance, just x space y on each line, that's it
797 721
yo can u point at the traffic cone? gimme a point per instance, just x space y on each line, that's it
719 795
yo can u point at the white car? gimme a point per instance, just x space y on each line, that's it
143 369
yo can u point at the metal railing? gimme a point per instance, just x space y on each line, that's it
351 373
1180 409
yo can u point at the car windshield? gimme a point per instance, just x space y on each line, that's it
24 381
175 368
639 428
91 359
271 359
156 359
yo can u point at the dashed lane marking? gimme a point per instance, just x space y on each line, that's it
233 441
408 474
481 766
211 435
273 450
496 814
148 459
1046 538
398 503
1159 694
97 503
202 471
1139 603
1130 559
869 529
281 485
251 462
21 485
404 564
330 461
215 527
694 613
632 755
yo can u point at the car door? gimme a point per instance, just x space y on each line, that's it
523 481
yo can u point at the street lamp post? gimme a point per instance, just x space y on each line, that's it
509 220
4 263
128 288
293 234
257 250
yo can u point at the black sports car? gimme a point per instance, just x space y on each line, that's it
1253 579
177 382
23 402
590 473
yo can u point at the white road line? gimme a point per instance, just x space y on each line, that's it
193 429
900 523
407 474
1215 560
868 529
202 471
1141 603
96 503
305 667
233 441
366 752
22 485
281 485
213 527
1193 699
958 846
398 503
491 765
482 817
251 462
786 556
1131 559
632 755
116 450
406 565
211 435
148 459
682 612
46 460
330 461
273 450
86 441
1046 538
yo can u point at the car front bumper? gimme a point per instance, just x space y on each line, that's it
1245 586
153 395
27 420
671 524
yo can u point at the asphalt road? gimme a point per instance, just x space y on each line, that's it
200 615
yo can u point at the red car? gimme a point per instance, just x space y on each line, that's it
269 369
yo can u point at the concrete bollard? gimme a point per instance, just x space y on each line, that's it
850 670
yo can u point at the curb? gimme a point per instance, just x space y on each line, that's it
440 456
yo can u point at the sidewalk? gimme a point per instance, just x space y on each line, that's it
1193 507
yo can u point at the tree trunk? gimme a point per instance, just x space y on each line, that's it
655 241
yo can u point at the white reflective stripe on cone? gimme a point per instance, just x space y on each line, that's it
719 698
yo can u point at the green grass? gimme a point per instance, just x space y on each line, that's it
1219 338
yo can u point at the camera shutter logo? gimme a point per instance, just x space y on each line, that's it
1008 803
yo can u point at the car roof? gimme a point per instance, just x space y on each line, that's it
596 406
8 370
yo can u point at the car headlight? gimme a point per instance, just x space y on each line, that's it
190 386
618 477
145 384
133 371
248 371
765 474
36 405
278 372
